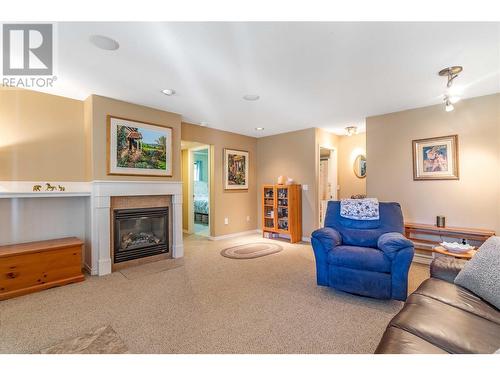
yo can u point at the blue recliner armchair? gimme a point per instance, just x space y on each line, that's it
365 257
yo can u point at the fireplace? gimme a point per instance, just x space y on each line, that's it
140 233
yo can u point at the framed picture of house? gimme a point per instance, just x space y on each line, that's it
138 148
435 158
235 169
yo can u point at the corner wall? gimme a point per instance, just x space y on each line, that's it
41 137
471 201
349 149
236 205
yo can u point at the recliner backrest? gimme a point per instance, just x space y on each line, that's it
365 232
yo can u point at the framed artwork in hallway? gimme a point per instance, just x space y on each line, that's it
235 169
138 148
435 158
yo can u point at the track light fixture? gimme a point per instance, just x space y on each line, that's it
451 73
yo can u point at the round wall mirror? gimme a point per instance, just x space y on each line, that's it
360 166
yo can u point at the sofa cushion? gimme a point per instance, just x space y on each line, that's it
452 329
458 297
399 341
481 274
360 258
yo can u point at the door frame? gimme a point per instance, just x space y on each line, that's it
190 194
333 175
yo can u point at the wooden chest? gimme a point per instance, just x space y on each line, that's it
34 266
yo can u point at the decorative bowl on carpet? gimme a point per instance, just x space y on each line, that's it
456 247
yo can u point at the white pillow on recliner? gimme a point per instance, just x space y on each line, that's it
481 275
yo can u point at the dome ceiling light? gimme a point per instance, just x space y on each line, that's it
351 130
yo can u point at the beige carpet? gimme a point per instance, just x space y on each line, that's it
103 340
209 305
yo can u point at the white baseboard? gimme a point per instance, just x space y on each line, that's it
232 235
423 259
303 239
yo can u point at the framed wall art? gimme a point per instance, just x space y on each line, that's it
435 158
235 169
138 148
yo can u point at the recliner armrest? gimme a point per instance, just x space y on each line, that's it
390 243
328 237
446 268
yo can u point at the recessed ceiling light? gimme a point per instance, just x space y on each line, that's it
104 42
168 92
259 129
251 97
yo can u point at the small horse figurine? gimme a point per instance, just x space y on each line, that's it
49 187
37 187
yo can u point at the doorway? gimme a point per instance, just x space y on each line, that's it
197 180
327 180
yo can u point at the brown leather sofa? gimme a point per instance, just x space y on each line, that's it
441 317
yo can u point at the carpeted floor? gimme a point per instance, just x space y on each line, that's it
208 304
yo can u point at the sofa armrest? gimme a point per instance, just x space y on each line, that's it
446 268
390 243
328 237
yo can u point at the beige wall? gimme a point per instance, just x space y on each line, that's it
349 149
474 199
235 205
290 154
41 137
101 107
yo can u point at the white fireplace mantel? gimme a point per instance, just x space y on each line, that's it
97 195
100 202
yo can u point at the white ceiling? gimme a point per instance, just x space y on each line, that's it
328 75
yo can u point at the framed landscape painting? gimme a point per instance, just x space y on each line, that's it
435 158
235 169
138 148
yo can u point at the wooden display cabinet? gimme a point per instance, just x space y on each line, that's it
282 211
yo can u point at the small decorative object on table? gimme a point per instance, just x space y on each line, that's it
61 188
37 187
456 247
49 187
466 255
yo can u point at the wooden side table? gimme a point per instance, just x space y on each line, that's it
441 250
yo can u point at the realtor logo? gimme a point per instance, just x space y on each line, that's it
27 49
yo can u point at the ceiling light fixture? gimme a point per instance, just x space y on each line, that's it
351 130
259 129
251 97
104 42
168 92
451 73
448 106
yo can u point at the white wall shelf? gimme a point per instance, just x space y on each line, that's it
45 194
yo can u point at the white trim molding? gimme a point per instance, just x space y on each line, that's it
232 235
